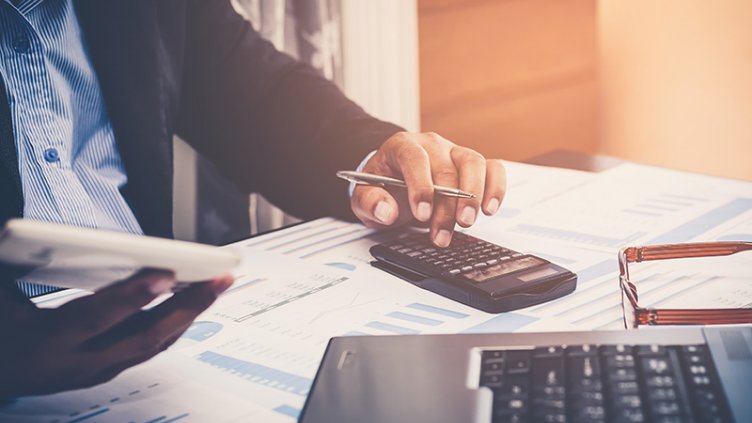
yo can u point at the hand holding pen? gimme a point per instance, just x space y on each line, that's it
445 184
363 178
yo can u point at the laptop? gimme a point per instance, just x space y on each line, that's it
647 375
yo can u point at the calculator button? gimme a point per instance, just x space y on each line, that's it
415 254
454 272
467 268
492 262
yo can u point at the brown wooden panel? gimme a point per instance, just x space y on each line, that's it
518 128
509 77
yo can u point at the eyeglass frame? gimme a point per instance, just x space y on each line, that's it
650 316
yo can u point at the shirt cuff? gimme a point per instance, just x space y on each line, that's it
360 167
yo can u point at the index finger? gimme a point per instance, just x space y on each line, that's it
151 332
412 160
95 314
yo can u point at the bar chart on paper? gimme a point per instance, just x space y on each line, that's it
146 394
254 354
257 373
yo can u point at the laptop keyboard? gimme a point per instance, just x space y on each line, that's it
605 383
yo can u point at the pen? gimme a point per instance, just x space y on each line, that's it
363 178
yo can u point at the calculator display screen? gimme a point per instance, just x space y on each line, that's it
504 268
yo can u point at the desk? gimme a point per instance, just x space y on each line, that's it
254 354
575 160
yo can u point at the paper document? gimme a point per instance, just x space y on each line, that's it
257 349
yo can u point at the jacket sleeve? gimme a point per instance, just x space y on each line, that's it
270 123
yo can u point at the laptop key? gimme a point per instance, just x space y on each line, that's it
494 381
548 352
616 349
626 401
516 386
651 350
586 349
550 417
548 371
629 415
665 408
518 361
622 375
589 414
625 387
619 383
508 416
662 394
620 361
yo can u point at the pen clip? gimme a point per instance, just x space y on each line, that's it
350 178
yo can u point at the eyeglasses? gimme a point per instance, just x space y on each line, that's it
634 315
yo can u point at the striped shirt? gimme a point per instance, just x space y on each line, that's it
70 167
69 164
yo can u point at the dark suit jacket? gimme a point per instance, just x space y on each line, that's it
197 69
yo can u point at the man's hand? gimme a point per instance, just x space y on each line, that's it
424 160
92 339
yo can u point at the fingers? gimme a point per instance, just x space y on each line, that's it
425 160
445 208
496 185
413 162
472 178
97 313
162 325
374 206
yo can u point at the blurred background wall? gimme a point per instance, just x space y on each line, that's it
666 82
676 83
511 78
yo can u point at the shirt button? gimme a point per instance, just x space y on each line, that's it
51 155
21 44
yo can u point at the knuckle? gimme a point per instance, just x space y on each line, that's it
476 157
445 173
496 165
432 135
417 155
410 150
469 155
397 139
435 138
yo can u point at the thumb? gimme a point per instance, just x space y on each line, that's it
374 206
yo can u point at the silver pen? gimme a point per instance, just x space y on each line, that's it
363 178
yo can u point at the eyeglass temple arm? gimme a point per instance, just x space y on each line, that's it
673 251
712 316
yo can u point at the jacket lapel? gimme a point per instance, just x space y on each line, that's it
11 196
132 46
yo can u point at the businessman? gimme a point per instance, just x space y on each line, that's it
91 94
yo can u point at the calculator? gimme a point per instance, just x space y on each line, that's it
474 272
